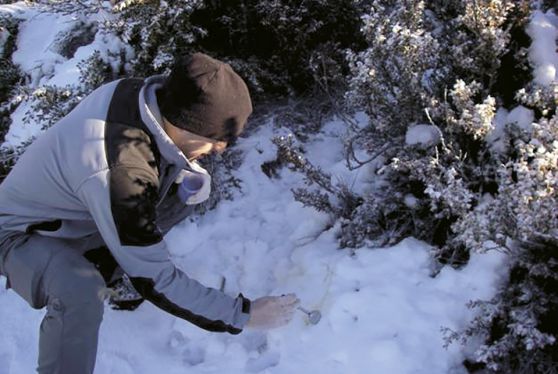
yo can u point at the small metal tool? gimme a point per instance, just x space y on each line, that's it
313 317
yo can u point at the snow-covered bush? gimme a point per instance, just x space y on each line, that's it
320 192
9 73
51 103
95 71
480 37
278 46
521 219
10 76
429 71
8 34
431 75
304 115
393 77
529 181
542 99
81 9
393 80
9 157
281 45
159 31
448 175
518 325
224 184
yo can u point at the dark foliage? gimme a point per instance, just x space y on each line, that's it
286 44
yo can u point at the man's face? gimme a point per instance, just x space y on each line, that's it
192 145
200 147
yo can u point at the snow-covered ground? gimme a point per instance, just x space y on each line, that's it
382 312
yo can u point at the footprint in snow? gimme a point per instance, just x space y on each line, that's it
264 361
191 353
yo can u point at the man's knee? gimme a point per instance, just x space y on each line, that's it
78 287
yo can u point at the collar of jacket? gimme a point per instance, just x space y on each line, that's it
151 116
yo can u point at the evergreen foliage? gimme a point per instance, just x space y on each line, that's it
223 182
521 219
51 103
471 187
95 71
9 73
278 46
437 67
519 325
282 46
10 77
159 31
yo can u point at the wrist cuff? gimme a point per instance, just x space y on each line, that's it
246 304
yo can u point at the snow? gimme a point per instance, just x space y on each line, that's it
426 135
543 29
35 53
18 10
380 307
543 56
519 116
67 72
361 119
522 117
381 310
38 57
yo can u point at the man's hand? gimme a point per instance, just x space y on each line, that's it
269 312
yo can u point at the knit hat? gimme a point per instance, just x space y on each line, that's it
205 96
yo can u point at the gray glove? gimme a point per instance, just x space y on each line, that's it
270 312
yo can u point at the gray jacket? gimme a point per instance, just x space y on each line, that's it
107 167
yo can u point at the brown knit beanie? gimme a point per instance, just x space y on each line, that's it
205 96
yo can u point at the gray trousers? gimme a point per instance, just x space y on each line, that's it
51 272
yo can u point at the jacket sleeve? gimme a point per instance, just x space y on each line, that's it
122 203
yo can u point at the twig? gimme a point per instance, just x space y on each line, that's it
442 140
351 155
